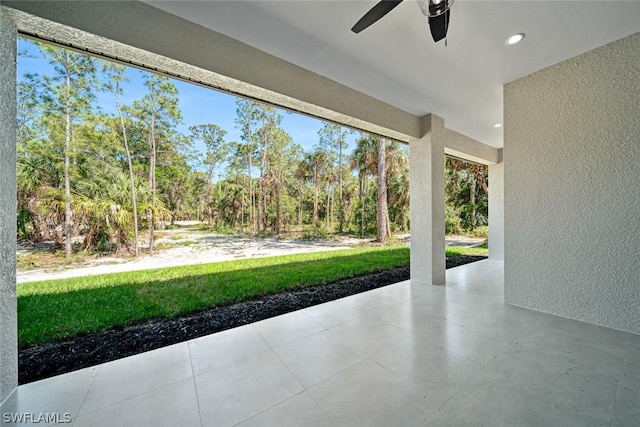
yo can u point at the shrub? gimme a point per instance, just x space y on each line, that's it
482 231
453 224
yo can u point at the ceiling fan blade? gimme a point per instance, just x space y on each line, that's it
439 25
376 12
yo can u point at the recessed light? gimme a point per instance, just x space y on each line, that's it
516 38
497 125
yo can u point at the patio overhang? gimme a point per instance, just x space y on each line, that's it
130 33
205 57
142 35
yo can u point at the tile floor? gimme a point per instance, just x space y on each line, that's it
401 355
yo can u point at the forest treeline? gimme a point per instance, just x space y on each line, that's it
103 179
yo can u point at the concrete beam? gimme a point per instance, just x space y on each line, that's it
459 145
8 301
136 32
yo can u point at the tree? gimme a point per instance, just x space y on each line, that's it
115 75
283 154
370 152
175 178
248 114
383 212
159 112
213 138
267 135
364 159
463 197
312 168
68 94
333 137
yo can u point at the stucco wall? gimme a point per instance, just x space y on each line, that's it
8 308
496 211
426 182
572 188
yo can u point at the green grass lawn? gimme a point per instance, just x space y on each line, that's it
459 250
57 309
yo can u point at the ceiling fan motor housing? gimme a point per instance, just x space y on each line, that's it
433 8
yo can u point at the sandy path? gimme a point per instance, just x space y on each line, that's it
185 246
205 249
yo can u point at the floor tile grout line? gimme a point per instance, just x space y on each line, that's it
315 402
482 368
95 375
282 401
195 386
135 397
287 368
268 409
405 382
241 359
615 401
289 342
364 357
620 380
344 341
306 389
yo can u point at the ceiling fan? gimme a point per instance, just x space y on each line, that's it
438 12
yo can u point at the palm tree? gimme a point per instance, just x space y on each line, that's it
312 168
115 72
364 159
370 151
457 170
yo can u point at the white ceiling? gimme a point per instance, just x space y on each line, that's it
396 61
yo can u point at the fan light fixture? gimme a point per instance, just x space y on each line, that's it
438 13
497 125
433 8
516 38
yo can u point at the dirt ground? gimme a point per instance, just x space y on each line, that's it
187 245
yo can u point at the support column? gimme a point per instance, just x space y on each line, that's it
426 182
496 210
8 302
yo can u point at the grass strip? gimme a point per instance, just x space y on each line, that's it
453 251
58 309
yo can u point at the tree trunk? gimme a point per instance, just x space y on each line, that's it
300 209
340 207
67 179
472 202
152 182
252 198
363 198
277 230
383 212
262 207
328 209
242 212
132 184
315 199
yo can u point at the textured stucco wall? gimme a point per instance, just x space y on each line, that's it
496 211
426 183
8 308
572 188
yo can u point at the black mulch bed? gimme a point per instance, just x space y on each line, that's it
45 361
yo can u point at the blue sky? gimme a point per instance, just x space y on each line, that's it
199 105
